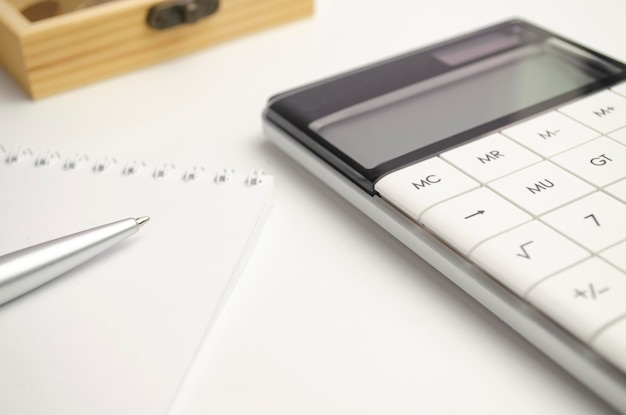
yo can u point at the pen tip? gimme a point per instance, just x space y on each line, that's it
142 220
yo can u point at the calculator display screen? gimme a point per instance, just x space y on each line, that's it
402 121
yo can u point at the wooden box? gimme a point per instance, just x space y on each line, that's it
75 45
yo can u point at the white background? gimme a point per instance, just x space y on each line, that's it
332 315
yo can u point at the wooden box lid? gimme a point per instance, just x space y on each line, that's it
84 41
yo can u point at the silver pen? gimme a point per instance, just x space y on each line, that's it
29 268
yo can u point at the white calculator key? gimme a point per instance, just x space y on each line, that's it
550 133
521 257
466 220
616 255
604 111
596 221
618 190
415 188
601 161
583 298
619 135
490 157
541 187
610 343
620 89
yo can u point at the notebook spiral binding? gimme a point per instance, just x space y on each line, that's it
47 158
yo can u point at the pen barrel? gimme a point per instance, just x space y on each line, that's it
27 269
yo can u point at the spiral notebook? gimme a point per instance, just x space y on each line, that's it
118 334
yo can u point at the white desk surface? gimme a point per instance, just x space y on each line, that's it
332 315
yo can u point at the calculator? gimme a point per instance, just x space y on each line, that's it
500 158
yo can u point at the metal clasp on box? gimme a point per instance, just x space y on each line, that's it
176 12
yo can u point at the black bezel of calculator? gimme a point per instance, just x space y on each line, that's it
294 111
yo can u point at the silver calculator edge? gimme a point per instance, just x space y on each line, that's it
560 346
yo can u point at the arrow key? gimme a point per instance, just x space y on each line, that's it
469 219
